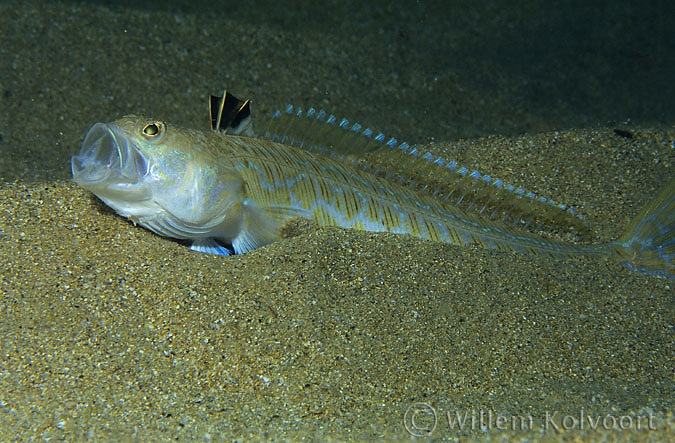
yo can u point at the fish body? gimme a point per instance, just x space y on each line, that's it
232 193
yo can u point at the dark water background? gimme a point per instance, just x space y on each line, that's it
419 70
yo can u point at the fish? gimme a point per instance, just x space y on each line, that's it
229 191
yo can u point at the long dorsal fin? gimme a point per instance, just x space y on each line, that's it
319 132
449 182
230 115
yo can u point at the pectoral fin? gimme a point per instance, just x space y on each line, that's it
262 225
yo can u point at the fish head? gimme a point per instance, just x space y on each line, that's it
162 177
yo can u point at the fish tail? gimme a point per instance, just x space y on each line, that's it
648 245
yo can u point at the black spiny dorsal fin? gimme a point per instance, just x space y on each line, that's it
229 114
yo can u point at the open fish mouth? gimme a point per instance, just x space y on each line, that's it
107 158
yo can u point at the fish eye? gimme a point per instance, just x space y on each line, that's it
152 130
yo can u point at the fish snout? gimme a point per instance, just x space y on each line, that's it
104 156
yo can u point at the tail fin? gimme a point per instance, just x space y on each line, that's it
648 245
